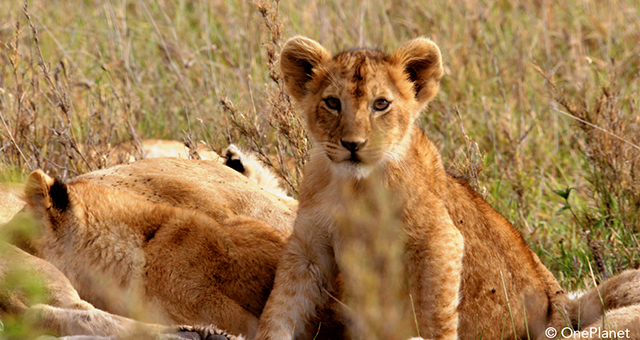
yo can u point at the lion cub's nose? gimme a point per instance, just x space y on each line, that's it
353 146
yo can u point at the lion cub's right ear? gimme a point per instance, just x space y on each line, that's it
46 196
299 60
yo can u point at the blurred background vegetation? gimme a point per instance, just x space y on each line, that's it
538 106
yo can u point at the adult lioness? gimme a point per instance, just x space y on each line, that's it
164 240
469 272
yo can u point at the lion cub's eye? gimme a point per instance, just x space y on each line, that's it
380 104
332 103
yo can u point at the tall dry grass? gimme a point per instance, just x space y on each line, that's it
79 77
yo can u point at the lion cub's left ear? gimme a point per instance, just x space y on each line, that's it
421 62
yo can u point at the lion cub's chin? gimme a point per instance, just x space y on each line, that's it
352 170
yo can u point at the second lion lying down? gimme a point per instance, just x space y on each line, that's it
165 241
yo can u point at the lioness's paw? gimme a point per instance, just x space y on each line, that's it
234 158
255 170
206 333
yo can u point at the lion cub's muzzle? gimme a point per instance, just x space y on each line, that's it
353 146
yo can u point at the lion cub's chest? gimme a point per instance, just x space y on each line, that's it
345 210
348 208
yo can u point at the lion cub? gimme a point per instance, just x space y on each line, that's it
467 271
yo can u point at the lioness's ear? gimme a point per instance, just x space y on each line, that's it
421 62
47 197
299 57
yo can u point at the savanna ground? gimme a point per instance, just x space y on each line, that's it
539 105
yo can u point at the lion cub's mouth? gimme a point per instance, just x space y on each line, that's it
352 164
351 152
356 168
348 158
354 158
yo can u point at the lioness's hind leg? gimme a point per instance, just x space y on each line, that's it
63 321
621 323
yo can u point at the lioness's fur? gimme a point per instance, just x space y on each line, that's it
59 310
468 270
620 296
621 323
207 186
157 148
185 239
619 291
11 202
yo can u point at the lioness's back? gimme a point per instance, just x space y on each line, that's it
190 183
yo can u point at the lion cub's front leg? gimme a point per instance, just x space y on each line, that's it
306 266
434 268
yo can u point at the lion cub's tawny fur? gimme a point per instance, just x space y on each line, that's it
462 259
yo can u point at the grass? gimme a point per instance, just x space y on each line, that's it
538 97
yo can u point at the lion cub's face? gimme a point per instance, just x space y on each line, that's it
360 104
